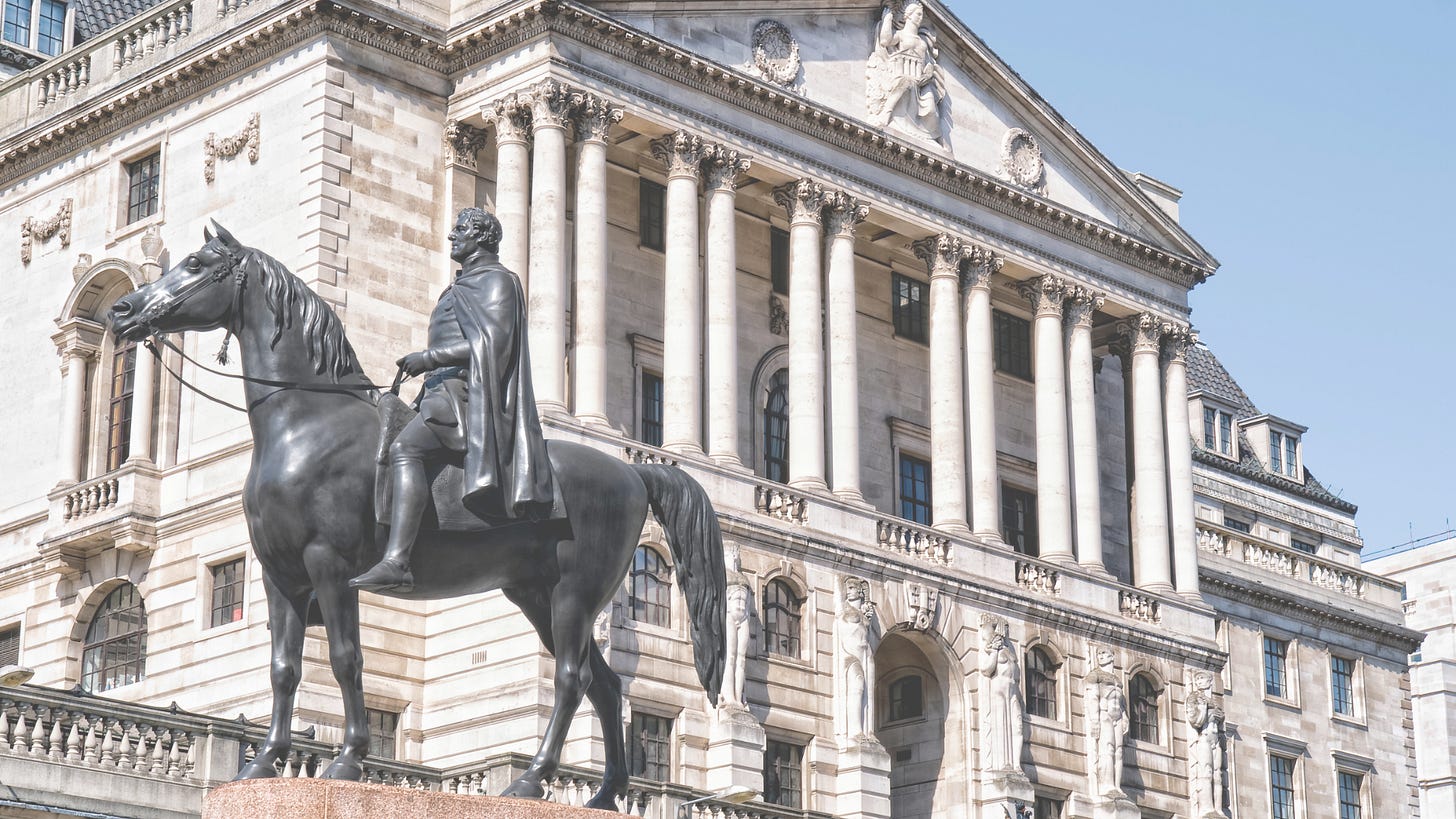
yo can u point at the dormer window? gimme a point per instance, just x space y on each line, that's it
1218 431
1284 454
39 25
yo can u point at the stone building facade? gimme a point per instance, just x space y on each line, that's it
926 348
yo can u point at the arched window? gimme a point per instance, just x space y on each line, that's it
781 614
651 582
1041 683
1142 702
906 699
776 428
115 652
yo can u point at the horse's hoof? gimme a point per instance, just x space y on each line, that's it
604 800
256 770
527 788
346 769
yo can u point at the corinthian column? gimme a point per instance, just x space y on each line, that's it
981 389
682 340
722 168
1053 482
594 119
1180 459
512 120
550 109
462 144
943 255
804 201
1082 398
844 213
1149 491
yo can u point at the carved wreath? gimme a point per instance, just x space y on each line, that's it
1021 158
230 146
43 229
775 52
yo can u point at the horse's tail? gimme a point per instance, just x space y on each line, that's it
687 517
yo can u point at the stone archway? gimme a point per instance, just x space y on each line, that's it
918 712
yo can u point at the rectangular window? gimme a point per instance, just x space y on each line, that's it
1226 434
652 207
1046 807
383 733
778 259
783 774
17 21
227 593
52 33
1342 685
914 489
1013 344
1018 520
649 747
1301 546
144 185
1210 427
1351 786
1218 431
1281 787
1276 672
1237 525
1276 452
1291 462
651 408
909 308
118 411
10 646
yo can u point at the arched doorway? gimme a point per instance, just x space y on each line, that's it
917 708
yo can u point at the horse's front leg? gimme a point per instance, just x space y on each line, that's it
286 620
339 605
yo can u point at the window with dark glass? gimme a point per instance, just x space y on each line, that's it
783 774
10 646
144 186
1013 344
1281 787
1018 520
1300 546
1342 685
652 199
1282 454
914 489
227 593
778 259
1350 787
115 650
1041 684
383 733
776 428
1276 672
118 409
651 408
909 308
17 21
907 698
1142 698
1218 429
1237 525
647 602
1046 807
51 35
649 747
1226 434
781 614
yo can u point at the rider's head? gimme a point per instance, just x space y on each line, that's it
486 227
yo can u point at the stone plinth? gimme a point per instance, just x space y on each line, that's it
735 750
329 799
863 781
1005 793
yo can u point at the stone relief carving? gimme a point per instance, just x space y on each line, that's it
42 229
1205 748
920 603
736 632
778 316
1021 160
230 146
775 53
1003 709
856 660
1107 724
462 142
904 84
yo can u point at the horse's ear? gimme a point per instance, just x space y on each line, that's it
227 238
206 233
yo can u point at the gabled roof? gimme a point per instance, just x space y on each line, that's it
96 16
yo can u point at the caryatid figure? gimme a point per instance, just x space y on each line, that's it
735 634
1107 724
1002 731
856 661
1205 748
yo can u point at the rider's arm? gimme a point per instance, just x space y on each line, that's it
450 355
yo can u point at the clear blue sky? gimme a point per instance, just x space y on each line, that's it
1313 144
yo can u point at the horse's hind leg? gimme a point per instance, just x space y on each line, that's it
339 605
605 693
286 619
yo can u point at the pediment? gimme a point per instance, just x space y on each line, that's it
933 83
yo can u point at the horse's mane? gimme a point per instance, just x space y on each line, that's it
289 298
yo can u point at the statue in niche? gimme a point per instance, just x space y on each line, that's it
856 661
736 633
1205 747
1107 724
1001 722
904 85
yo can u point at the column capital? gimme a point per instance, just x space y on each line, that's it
1177 338
844 212
942 253
595 116
722 167
462 141
980 266
803 199
1143 332
682 152
1081 303
551 104
1046 294
511 116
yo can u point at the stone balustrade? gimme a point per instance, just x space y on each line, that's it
90 497
1139 606
642 454
56 82
915 542
779 502
156 32
1038 578
1292 563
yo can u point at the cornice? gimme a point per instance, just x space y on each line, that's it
1260 596
1304 491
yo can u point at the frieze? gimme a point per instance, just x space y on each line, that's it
230 146
43 229
775 53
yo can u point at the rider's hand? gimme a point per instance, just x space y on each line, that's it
415 363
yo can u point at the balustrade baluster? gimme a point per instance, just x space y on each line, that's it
124 759
21 734
57 741
108 743
38 735
5 725
160 738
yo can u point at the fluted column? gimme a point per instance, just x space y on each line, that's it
589 320
1082 402
1151 563
512 120
1053 479
1180 459
804 201
981 392
546 316
682 340
843 213
73 385
722 167
943 255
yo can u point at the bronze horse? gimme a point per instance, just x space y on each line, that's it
309 504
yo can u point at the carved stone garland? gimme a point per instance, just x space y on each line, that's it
43 229
775 53
1021 160
230 146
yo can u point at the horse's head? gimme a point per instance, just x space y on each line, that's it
201 292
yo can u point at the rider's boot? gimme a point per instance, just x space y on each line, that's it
411 492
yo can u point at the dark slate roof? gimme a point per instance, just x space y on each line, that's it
96 16
1207 373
